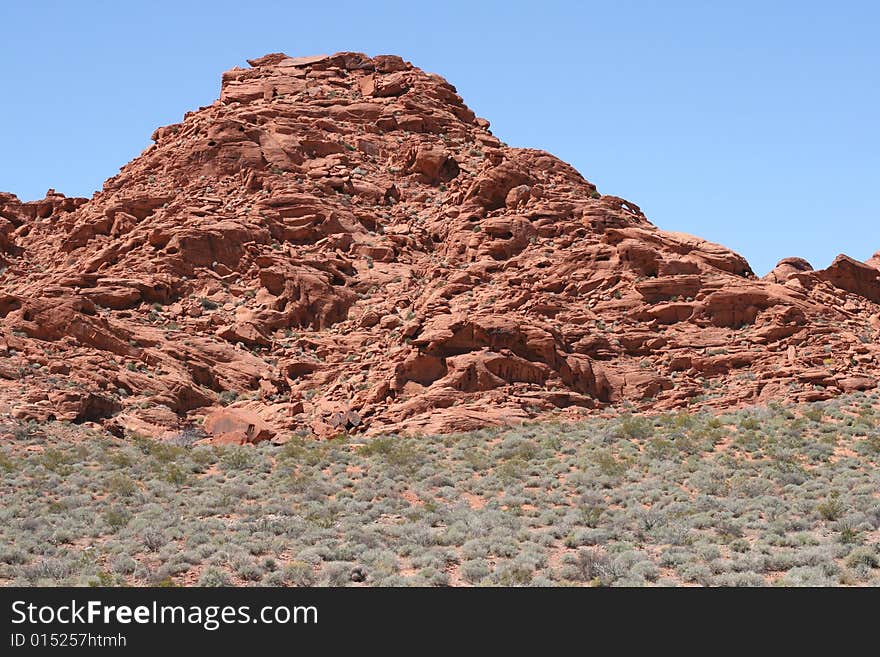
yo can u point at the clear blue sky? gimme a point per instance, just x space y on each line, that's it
753 124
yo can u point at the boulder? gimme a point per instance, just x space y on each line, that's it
236 426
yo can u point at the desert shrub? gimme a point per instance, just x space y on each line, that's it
123 564
299 573
593 565
57 460
475 571
806 576
866 557
872 516
237 458
634 427
214 577
117 517
161 452
13 556
397 452
647 570
51 569
248 570
154 540
433 577
607 463
739 579
337 573
589 536
696 573
121 485
7 462
831 509
175 474
513 574
274 579
518 447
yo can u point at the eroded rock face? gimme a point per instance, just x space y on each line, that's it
339 244
853 276
787 268
237 427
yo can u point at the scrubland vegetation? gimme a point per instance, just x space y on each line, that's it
765 496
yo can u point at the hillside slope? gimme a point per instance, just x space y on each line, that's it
339 244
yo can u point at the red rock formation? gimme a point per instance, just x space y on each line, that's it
786 268
339 244
853 276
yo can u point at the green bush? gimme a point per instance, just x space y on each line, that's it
863 556
214 578
831 509
635 427
475 571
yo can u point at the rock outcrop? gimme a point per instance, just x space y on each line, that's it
339 244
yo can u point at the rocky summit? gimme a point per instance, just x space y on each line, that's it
338 244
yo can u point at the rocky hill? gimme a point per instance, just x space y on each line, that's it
339 244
